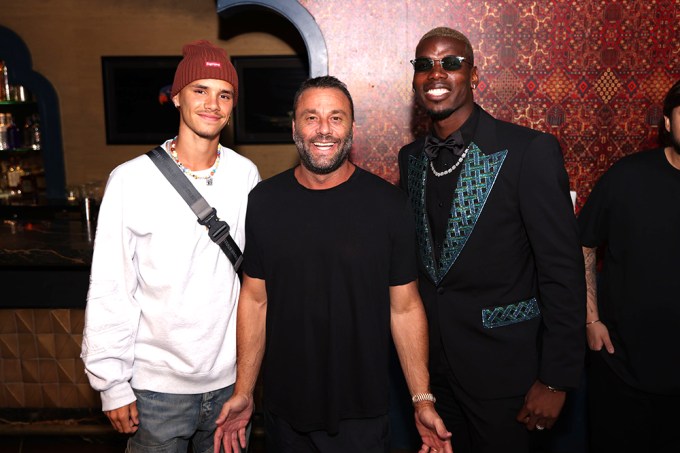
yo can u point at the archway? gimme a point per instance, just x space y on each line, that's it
295 14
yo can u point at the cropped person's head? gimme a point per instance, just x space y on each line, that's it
670 133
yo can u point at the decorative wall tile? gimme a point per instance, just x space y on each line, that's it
45 344
66 369
33 395
48 371
42 368
27 346
77 322
51 396
30 371
14 391
69 395
87 397
11 370
24 320
7 322
9 345
62 321
43 321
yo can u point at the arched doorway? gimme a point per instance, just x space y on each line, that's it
298 16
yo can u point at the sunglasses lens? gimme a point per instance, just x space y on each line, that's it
422 64
451 63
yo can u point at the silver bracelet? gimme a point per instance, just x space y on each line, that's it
554 389
419 397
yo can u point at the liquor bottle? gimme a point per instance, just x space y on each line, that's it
36 135
32 135
4 82
13 134
4 169
4 137
26 130
14 175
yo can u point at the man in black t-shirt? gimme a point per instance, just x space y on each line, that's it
329 273
633 321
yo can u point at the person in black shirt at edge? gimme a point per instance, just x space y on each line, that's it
501 268
329 273
632 322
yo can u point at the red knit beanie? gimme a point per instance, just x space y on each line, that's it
203 60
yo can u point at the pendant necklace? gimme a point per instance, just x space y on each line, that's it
208 178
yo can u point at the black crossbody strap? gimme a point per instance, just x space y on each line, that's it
218 230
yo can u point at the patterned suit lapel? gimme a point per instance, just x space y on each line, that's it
417 174
476 180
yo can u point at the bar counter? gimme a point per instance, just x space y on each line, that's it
45 263
45 257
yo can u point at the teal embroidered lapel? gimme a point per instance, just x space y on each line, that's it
475 182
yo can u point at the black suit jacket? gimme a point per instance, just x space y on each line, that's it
506 300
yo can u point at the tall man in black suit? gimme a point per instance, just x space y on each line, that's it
501 270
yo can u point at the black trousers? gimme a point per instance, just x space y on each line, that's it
366 435
478 425
623 418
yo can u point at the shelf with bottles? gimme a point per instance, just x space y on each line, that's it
23 179
28 96
19 139
22 168
19 119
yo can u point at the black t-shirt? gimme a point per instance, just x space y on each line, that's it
328 258
634 211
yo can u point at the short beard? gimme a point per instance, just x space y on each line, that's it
675 143
440 115
306 155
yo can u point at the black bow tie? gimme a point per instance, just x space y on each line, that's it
453 142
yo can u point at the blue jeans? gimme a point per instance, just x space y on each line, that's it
168 421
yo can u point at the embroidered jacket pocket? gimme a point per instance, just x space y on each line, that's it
505 315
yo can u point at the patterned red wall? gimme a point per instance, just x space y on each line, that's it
591 72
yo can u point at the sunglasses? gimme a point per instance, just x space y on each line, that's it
448 63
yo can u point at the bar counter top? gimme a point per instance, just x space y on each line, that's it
45 262
58 243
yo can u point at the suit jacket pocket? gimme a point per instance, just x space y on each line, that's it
504 315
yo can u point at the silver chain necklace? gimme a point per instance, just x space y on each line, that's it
439 174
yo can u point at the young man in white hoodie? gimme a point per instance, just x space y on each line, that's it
160 324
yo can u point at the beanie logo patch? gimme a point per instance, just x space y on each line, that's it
213 64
